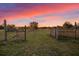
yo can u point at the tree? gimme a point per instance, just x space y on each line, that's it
67 25
11 27
1 27
77 25
34 25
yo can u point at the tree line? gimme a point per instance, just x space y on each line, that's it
34 25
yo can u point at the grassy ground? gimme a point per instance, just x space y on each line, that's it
38 43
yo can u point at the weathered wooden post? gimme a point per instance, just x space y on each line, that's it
25 33
56 33
75 29
5 30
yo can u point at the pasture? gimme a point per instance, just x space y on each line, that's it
38 43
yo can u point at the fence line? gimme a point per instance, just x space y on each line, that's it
67 33
58 32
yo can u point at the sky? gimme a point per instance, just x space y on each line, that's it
46 14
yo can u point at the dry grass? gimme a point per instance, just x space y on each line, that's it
38 43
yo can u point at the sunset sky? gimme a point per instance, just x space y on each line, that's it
46 14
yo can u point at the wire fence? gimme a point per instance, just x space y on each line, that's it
18 33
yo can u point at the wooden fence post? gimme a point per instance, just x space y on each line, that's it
75 29
56 33
25 33
5 30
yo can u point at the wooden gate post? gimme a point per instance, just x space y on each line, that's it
25 33
5 30
57 33
75 29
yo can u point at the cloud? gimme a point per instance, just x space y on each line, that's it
45 14
67 15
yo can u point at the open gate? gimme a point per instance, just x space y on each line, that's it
16 33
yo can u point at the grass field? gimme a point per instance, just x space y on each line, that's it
38 43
